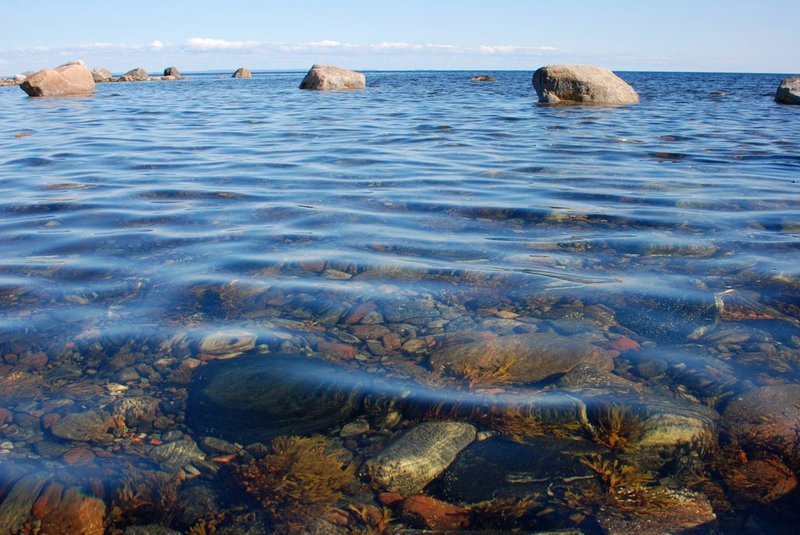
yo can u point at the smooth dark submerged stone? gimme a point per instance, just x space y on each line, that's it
258 398
789 91
71 79
330 78
581 84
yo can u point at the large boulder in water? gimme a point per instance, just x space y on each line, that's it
581 84
101 75
171 73
134 75
523 358
330 78
70 79
789 91
242 72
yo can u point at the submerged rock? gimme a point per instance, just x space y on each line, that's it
581 84
16 506
330 78
682 512
418 456
227 344
242 72
258 398
766 418
525 358
178 454
483 78
75 514
789 91
500 469
70 79
83 426
430 513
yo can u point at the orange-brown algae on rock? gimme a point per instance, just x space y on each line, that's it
76 514
760 481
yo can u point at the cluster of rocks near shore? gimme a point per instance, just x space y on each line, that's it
554 84
432 465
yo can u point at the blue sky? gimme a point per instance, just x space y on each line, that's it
698 35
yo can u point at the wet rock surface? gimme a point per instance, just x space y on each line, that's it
527 358
501 469
789 91
766 418
419 455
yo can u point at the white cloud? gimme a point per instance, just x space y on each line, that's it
157 45
516 49
204 43
395 46
326 44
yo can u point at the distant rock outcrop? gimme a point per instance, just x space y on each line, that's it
134 75
330 78
172 73
242 72
581 84
70 79
483 78
101 75
789 91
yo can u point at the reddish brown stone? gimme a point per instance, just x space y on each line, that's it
5 416
50 419
48 500
623 344
76 514
78 456
331 349
390 499
36 361
392 342
431 513
359 313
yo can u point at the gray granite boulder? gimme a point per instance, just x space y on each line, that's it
242 72
101 75
172 73
70 79
419 456
789 91
581 84
134 75
330 78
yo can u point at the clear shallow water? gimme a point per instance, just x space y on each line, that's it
151 216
